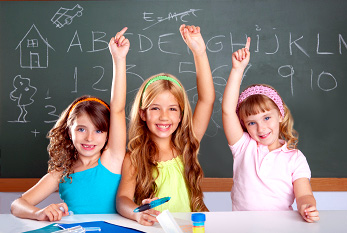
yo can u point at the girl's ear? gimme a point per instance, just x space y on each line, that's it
142 114
280 116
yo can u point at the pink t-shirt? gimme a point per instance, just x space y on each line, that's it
263 180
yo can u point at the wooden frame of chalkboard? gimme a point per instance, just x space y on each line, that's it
208 185
296 47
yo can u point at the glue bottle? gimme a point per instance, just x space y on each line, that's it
198 222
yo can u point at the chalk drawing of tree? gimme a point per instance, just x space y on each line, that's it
23 93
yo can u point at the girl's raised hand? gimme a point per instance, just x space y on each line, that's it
119 45
241 57
148 217
192 37
52 212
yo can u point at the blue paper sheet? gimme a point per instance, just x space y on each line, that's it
105 227
50 228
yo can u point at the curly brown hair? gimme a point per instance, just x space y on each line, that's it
260 103
63 154
143 150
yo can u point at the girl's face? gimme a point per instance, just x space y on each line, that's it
264 128
87 139
162 116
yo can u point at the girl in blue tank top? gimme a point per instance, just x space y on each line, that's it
87 148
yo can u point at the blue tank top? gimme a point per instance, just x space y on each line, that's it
92 191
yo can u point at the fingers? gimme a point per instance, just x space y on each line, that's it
241 54
186 30
63 207
52 212
147 220
148 217
182 28
119 38
120 33
152 212
148 200
248 43
311 214
122 41
193 29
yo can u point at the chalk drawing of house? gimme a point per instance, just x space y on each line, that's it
33 49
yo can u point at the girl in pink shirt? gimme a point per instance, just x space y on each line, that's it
269 170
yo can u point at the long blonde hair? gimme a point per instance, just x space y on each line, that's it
143 151
62 152
257 103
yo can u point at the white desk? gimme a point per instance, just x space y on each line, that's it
216 222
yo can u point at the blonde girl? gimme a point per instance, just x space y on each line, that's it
269 170
164 139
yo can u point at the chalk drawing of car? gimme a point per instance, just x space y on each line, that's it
65 16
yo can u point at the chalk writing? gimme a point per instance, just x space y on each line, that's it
75 78
76 37
35 132
171 16
52 112
101 76
301 51
47 95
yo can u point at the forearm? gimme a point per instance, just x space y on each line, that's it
305 200
204 79
231 92
125 207
22 209
118 92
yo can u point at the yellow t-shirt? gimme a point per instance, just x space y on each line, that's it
171 183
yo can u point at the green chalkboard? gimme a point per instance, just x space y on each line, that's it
54 51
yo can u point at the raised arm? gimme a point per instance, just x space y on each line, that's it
25 206
113 156
206 93
231 123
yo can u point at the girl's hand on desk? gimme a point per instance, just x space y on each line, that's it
148 217
52 212
309 213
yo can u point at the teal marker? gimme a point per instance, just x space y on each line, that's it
153 204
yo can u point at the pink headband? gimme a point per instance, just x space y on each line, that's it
261 90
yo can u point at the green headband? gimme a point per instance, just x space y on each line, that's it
161 77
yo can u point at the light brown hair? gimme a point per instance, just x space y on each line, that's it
63 154
255 104
143 150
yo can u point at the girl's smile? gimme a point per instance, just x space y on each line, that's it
88 147
164 127
162 116
264 136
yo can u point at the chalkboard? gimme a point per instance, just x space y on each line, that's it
55 51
